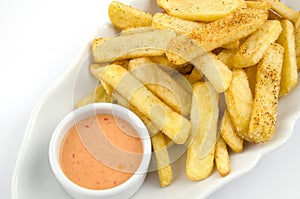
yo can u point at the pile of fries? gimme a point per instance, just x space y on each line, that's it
171 69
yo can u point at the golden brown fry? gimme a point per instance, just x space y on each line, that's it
97 42
229 134
284 11
162 159
252 50
231 28
98 95
216 72
124 16
201 146
152 43
165 21
171 123
226 55
263 5
165 63
239 101
232 45
222 158
251 74
264 111
161 84
297 40
289 75
200 10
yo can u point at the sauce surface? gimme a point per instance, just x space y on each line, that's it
101 152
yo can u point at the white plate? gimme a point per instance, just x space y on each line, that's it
33 177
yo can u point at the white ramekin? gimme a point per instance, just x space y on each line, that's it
124 190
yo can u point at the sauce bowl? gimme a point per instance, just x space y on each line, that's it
124 190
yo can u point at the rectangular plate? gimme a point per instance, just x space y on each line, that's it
33 177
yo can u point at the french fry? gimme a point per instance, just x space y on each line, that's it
289 75
97 42
232 45
263 5
179 25
199 10
161 84
222 158
297 40
124 16
130 31
163 61
229 134
225 56
252 50
201 146
217 73
285 11
239 101
231 28
152 129
251 74
98 95
264 110
131 46
108 89
162 159
171 123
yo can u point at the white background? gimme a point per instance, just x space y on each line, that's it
39 39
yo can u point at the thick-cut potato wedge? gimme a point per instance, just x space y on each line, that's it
264 110
251 74
124 16
165 21
284 11
199 10
108 89
217 73
232 45
161 84
289 75
239 101
226 55
297 40
252 50
97 42
171 123
231 28
98 95
222 158
152 129
162 159
229 134
130 31
263 5
204 118
163 61
144 44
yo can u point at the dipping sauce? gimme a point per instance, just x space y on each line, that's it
101 152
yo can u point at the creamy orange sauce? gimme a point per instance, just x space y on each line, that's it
101 152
